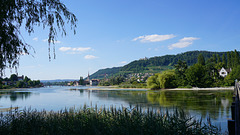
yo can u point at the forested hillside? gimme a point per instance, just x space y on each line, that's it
105 72
156 64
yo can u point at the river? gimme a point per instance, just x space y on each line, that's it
205 103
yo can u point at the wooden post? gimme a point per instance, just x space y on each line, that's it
234 124
231 127
237 119
237 109
233 110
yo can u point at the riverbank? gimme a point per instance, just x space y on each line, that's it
196 88
193 88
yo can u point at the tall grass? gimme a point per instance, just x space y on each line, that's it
102 121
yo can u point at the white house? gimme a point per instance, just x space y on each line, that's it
224 72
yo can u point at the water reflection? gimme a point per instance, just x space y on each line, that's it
13 95
213 103
206 103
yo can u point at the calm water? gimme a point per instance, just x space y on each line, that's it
213 104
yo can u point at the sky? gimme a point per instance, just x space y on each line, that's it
112 33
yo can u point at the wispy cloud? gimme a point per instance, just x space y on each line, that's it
35 39
75 50
123 62
63 49
56 41
90 57
153 38
184 42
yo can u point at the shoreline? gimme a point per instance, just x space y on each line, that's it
193 89
196 88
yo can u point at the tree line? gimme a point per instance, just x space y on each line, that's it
204 73
14 82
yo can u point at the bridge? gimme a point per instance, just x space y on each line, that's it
234 124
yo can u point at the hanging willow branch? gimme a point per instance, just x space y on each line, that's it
51 14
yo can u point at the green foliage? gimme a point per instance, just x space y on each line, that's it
20 84
156 64
167 79
152 82
201 74
133 85
81 81
236 58
232 59
14 77
229 60
26 79
112 81
201 59
26 83
180 69
92 121
218 59
214 58
197 76
224 60
235 74
219 65
102 73
30 13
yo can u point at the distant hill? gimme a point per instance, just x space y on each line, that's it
105 72
57 80
154 64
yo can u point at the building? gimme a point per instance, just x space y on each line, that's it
94 82
21 78
224 72
87 81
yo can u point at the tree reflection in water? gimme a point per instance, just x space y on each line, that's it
213 103
15 95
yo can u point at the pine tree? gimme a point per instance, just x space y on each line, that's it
224 60
214 58
201 59
218 58
236 58
229 60
232 59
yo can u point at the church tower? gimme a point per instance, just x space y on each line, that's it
88 78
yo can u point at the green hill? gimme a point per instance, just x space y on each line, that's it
105 73
155 64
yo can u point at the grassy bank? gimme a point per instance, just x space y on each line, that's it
102 122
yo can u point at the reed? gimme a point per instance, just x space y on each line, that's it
102 121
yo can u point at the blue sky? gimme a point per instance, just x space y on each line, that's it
112 33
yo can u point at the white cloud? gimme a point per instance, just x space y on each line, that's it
90 57
35 39
180 45
65 49
123 62
153 38
74 50
56 41
184 42
188 39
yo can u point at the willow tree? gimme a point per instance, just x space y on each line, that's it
14 14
